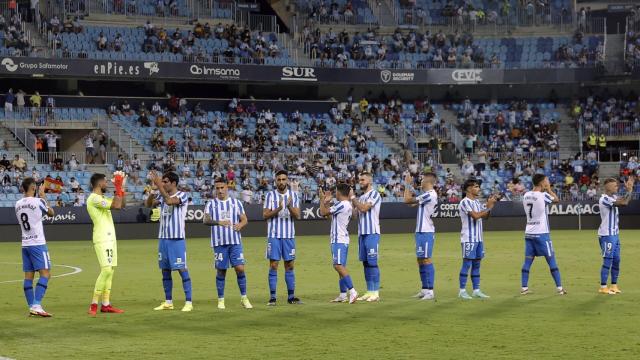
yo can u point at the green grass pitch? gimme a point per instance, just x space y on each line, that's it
582 324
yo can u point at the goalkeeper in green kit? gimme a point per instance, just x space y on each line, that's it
104 236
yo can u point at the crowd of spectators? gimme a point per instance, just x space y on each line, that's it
571 57
14 36
607 114
442 50
632 45
333 13
227 132
521 128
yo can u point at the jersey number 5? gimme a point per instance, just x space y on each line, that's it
24 219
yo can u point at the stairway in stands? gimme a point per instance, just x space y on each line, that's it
13 145
568 138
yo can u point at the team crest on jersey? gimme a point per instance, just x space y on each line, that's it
178 260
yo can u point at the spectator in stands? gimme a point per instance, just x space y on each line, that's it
19 163
74 185
54 24
58 163
101 41
5 163
143 120
9 98
118 42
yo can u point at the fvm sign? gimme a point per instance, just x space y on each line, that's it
472 76
294 73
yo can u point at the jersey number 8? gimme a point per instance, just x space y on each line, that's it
24 219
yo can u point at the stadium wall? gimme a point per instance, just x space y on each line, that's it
132 231
134 223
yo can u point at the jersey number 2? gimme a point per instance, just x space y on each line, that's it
24 219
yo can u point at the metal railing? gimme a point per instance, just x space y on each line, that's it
117 135
614 129
426 157
497 21
441 131
107 157
625 155
44 117
143 10
25 137
513 156
457 64
250 158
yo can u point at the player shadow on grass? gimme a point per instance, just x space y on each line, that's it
514 304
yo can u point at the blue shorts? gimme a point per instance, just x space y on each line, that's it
225 255
281 249
339 253
472 250
368 248
35 258
538 245
424 244
172 254
610 246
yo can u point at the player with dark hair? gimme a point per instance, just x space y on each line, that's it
226 217
537 238
172 248
35 254
425 231
609 232
281 208
472 212
368 210
340 214
104 236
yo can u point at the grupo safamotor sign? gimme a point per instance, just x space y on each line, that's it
310 212
153 70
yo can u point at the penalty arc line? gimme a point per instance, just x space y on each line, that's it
76 270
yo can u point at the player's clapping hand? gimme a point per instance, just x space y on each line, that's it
491 201
119 179
225 223
629 183
237 227
156 179
289 201
408 180
41 191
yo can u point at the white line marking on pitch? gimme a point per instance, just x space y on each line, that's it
5 358
76 270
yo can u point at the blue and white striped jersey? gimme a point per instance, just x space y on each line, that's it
608 216
230 210
30 211
282 225
340 217
536 207
172 217
471 229
426 207
369 222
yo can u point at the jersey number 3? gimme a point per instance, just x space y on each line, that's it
24 219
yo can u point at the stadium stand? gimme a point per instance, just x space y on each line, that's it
410 49
481 12
338 12
218 44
